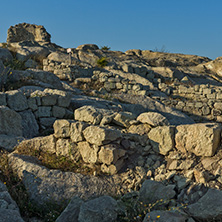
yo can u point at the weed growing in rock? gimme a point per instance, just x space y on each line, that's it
102 62
105 48
135 210
53 161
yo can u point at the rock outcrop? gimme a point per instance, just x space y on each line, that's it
134 139
27 32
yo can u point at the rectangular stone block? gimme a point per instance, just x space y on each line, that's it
202 139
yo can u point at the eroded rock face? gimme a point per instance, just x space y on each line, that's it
28 32
201 139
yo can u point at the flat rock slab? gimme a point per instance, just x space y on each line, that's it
207 208
46 185
153 191
202 139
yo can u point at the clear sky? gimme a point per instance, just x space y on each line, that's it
182 26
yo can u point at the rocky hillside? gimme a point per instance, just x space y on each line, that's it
90 134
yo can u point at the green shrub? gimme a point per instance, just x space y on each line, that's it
102 62
106 48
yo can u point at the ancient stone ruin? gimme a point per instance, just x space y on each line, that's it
134 138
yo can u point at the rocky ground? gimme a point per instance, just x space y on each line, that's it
101 135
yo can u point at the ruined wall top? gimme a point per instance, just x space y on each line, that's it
28 32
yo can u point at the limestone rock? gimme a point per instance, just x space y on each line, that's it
63 98
43 111
123 119
112 168
44 185
45 144
5 55
88 114
202 139
71 213
87 47
29 124
162 138
153 119
45 77
27 32
62 128
58 112
10 122
152 191
100 209
110 154
16 100
88 152
140 129
76 131
9 142
208 207
99 136
67 148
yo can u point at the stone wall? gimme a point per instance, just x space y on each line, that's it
65 71
38 109
204 100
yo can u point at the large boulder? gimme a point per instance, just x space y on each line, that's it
202 139
208 207
10 122
46 77
5 55
100 135
44 185
100 209
153 191
162 138
27 32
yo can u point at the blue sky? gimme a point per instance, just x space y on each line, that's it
189 27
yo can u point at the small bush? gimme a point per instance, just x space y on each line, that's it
162 49
102 62
106 48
